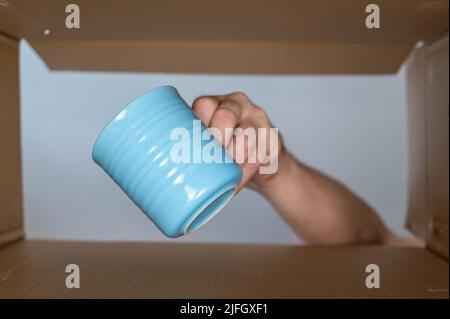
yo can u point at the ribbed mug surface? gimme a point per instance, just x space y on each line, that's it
134 150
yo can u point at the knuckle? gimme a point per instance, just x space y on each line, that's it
202 102
225 116
259 112
241 96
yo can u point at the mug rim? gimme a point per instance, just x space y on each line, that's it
206 204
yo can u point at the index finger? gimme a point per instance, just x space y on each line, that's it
205 106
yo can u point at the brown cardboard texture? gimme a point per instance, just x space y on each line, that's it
11 219
34 269
428 101
417 217
288 37
222 57
437 116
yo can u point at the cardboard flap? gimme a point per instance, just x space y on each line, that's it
222 57
437 123
11 219
308 36
428 117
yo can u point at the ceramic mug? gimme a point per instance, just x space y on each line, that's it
134 149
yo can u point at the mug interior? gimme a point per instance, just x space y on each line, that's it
208 211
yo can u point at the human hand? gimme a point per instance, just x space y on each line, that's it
232 118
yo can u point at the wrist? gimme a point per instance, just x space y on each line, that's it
286 166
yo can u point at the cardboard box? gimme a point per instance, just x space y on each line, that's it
315 37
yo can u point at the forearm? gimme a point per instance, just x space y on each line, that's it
320 209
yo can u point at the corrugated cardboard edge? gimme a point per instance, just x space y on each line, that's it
11 209
232 57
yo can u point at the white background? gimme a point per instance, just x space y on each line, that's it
351 127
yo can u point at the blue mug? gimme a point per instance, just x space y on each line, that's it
136 150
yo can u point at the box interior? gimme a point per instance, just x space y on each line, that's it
291 38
